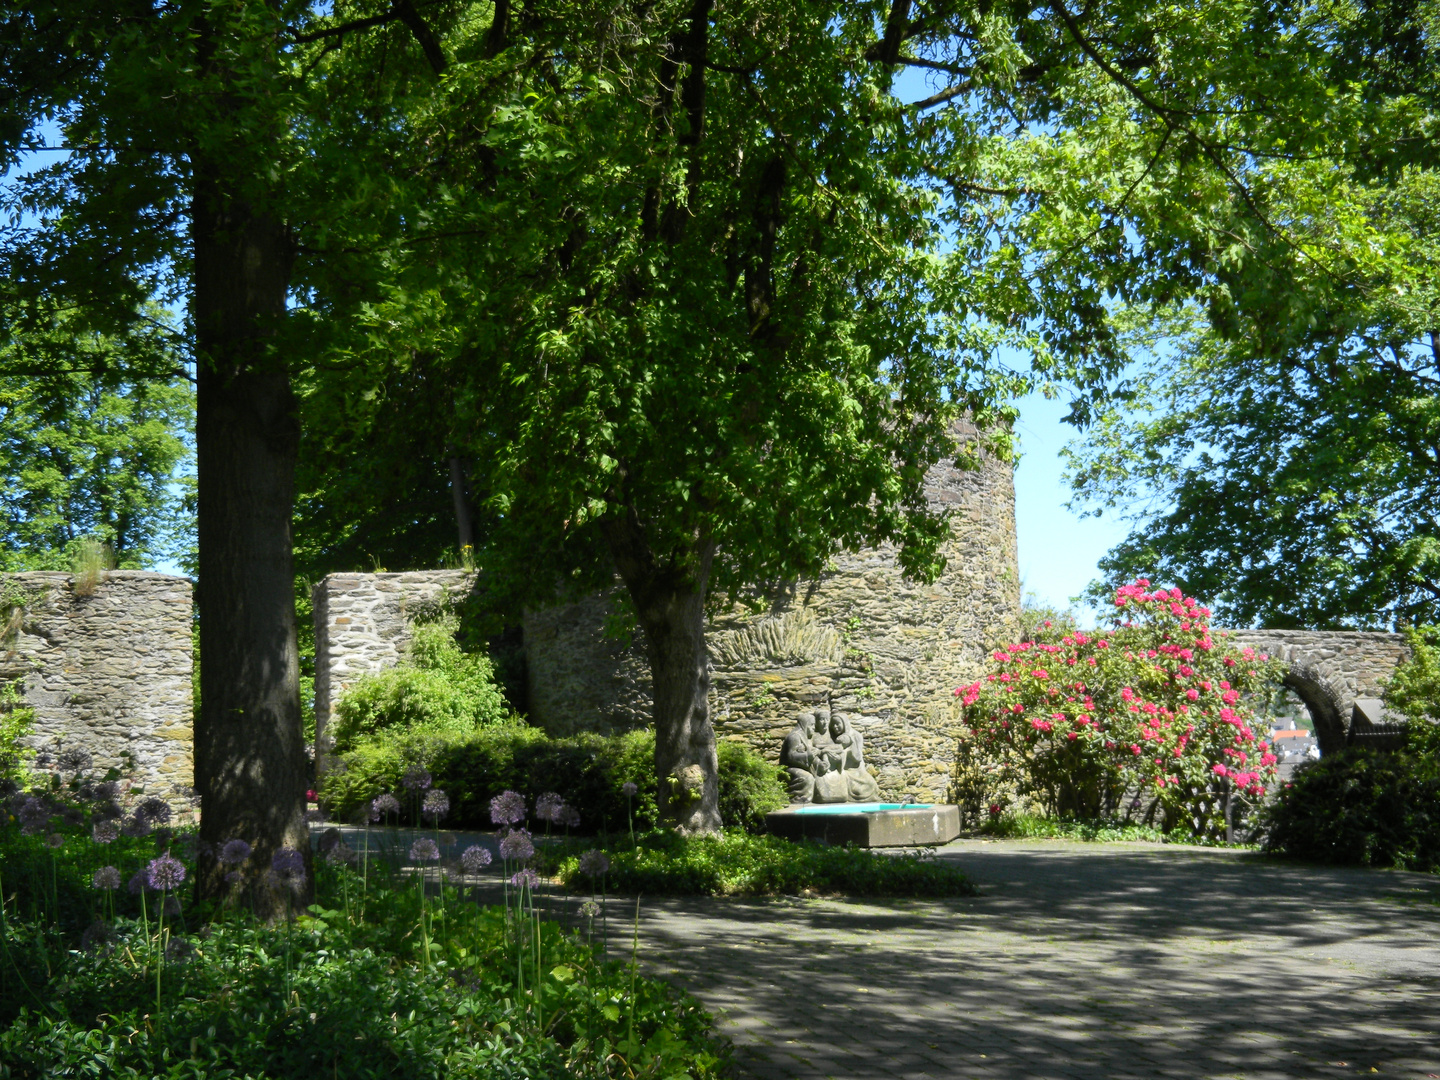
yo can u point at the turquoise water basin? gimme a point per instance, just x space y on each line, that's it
858 807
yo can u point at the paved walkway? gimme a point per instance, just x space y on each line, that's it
1085 962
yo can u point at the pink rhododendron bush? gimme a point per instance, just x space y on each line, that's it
1148 716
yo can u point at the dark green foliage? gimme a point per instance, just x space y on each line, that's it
1365 806
736 864
750 787
335 998
347 989
587 770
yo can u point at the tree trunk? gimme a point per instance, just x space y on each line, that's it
670 606
460 493
249 752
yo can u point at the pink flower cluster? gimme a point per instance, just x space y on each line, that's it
1156 699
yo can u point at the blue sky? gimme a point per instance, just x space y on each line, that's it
1058 548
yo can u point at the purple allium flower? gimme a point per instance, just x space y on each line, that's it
178 950
139 883
475 858
384 804
172 906
589 909
548 806
155 810
526 878
328 839
135 826
105 832
34 815
288 864
436 805
314 817
98 937
55 840
165 873
233 878
569 817
294 881
233 852
106 789
424 850
594 863
507 808
107 877
416 778
629 789
340 855
74 760
163 838
517 845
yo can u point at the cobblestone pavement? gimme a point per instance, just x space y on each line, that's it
1078 962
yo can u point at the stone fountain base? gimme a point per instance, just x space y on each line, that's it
868 824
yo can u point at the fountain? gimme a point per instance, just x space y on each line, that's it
836 800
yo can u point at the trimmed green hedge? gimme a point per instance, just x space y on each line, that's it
588 771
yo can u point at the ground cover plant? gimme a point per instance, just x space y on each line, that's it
734 863
387 969
1144 718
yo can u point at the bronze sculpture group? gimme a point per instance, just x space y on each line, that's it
824 759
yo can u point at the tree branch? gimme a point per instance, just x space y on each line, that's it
950 93
429 43
887 50
343 29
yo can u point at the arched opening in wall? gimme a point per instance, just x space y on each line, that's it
1325 704
1285 720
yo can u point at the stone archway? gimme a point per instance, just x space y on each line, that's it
1330 670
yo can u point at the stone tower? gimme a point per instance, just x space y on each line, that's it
886 652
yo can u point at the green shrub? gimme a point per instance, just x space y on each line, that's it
736 864
750 786
16 721
346 995
587 770
1152 706
436 689
1361 806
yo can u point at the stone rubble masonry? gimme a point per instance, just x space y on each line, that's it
886 652
1329 670
110 672
362 625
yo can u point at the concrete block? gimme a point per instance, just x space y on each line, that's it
911 826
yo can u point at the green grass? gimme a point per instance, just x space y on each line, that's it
737 864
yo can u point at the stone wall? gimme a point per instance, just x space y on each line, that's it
362 625
110 672
886 652
1330 670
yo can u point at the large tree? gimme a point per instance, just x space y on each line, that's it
206 148
1270 236
729 291
85 456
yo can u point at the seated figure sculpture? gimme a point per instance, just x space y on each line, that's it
797 758
824 759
